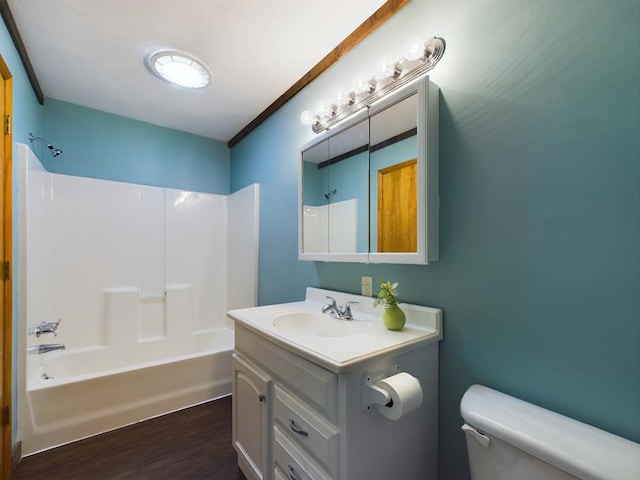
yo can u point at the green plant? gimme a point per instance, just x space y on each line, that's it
387 295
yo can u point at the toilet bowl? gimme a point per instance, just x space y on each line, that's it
508 438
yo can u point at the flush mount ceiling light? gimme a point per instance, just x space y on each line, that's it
179 68
419 58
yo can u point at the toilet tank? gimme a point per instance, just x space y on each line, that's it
508 438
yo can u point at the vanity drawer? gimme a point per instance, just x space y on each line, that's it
314 383
293 462
307 428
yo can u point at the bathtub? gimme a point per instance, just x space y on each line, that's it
76 394
142 290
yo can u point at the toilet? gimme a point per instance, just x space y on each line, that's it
508 438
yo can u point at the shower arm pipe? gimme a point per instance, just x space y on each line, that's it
54 151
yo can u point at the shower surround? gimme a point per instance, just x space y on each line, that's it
141 278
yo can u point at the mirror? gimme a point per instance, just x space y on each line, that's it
393 178
335 194
369 187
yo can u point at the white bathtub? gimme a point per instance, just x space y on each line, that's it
142 278
77 394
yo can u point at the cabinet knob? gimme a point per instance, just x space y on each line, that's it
261 397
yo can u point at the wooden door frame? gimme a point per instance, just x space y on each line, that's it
6 332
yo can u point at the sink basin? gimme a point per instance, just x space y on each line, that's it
316 324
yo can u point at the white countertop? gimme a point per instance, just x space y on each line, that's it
342 353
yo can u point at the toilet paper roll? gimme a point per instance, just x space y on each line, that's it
406 395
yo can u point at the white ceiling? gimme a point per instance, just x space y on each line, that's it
91 53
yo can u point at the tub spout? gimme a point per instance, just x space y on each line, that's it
45 348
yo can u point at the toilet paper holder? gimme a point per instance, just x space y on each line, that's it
377 396
373 394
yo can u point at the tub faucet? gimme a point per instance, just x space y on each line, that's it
45 348
333 310
43 327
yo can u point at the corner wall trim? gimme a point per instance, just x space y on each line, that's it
10 23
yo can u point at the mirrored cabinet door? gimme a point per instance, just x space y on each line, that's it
315 189
349 190
404 176
369 187
335 194
393 157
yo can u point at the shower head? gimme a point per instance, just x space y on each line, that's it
54 151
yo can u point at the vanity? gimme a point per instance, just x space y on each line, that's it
307 402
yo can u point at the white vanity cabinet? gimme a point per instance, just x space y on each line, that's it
313 422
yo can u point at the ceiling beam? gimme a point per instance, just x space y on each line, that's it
10 23
369 25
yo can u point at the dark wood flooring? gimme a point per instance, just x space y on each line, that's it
192 444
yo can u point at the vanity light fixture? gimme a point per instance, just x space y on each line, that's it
179 68
420 57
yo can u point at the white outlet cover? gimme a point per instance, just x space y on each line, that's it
367 286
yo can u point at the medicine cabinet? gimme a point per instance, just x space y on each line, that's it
368 188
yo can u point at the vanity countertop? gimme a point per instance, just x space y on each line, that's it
366 337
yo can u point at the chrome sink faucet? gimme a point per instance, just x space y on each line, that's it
43 327
333 310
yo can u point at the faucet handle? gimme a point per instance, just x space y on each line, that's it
52 327
333 300
43 327
346 313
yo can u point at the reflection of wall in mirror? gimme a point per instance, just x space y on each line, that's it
348 178
330 228
390 155
316 184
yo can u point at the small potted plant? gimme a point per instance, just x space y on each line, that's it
393 316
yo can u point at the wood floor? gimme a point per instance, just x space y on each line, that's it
192 444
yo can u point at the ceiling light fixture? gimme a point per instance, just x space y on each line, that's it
179 68
420 57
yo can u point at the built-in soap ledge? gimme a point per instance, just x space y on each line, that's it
155 317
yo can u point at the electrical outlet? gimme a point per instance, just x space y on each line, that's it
367 286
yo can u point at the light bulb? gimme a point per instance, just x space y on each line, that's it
364 86
308 118
346 99
415 49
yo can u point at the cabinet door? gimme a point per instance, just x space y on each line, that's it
251 425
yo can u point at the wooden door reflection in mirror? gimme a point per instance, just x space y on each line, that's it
397 207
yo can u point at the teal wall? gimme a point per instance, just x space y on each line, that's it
110 147
540 205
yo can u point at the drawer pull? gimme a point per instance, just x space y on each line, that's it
297 429
292 473
261 398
